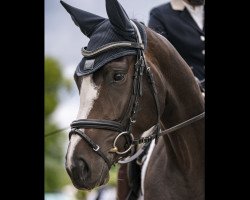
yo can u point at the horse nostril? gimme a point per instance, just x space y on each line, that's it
81 170
78 170
83 166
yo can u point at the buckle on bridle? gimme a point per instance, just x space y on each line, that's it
132 120
96 148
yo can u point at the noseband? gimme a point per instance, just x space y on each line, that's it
124 128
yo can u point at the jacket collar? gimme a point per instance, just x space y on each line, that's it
179 5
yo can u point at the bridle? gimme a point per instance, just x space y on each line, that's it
124 128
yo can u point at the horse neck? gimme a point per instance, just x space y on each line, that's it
183 100
186 146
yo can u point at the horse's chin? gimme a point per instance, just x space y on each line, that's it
90 183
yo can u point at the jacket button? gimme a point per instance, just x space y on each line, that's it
202 38
203 52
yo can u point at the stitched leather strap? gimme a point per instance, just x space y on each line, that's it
99 124
109 46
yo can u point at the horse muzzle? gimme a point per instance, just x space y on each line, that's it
79 173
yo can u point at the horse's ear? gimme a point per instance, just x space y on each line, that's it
119 18
86 21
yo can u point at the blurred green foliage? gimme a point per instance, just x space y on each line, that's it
113 176
55 174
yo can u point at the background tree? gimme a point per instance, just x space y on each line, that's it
55 174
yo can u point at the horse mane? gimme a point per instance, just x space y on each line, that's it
180 96
173 72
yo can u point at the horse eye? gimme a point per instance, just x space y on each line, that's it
118 77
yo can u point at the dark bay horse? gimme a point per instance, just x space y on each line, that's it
132 80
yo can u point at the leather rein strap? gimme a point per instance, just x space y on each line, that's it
147 140
170 130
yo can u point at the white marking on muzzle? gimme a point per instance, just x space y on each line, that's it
88 94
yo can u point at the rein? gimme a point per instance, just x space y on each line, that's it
124 128
147 140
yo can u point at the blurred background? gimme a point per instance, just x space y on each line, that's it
63 41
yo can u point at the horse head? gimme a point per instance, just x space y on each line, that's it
107 92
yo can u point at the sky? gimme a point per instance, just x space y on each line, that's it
64 40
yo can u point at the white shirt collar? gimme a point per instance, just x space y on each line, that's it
180 5
177 4
197 13
192 9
